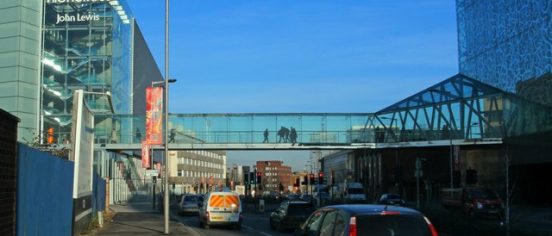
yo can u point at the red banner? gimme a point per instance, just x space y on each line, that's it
145 155
154 115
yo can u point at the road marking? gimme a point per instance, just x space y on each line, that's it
265 234
247 227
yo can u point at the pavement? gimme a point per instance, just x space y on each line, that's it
140 219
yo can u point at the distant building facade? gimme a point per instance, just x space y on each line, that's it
507 44
239 175
275 175
197 171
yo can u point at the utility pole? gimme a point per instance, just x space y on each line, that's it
418 171
166 101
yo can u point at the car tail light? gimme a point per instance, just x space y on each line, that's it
352 226
431 228
389 213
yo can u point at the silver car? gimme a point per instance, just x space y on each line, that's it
189 204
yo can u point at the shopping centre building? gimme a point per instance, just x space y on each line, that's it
62 46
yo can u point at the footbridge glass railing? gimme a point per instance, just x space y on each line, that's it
297 129
458 108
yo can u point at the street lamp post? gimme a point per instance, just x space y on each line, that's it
166 101
450 156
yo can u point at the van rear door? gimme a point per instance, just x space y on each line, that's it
224 207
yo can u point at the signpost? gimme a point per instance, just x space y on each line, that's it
152 173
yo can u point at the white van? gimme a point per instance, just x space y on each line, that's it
352 192
220 208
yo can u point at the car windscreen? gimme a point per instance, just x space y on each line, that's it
191 198
397 225
300 209
355 191
483 194
392 197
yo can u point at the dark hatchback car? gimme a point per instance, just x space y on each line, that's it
290 214
391 199
378 220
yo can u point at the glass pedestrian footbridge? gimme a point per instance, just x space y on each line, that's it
458 110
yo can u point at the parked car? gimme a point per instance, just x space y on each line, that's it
391 199
306 197
291 197
220 208
473 200
351 192
189 204
290 215
365 219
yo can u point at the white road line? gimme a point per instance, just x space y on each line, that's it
265 234
247 227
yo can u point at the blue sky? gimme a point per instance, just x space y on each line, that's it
300 56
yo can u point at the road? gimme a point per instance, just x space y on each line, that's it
252 225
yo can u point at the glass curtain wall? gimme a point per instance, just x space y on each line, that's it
86 46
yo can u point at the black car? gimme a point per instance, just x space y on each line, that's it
391 199
290 214
378 220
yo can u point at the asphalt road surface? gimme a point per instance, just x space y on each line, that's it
252 225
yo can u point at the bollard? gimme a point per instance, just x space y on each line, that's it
100 219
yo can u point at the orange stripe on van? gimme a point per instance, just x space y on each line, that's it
216 201
232 200
223 201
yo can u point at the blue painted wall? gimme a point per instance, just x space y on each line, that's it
98 194
44 193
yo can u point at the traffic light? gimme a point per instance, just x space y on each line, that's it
259 174
311 177
245 178
321 177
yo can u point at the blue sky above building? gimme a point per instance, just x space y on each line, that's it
308 56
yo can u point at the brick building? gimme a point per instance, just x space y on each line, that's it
274 174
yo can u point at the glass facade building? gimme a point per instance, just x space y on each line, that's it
86 46
507 44
20 46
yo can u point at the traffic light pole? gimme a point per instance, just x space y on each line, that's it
320 182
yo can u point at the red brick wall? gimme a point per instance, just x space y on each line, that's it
278 171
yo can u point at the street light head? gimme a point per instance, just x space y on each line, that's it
172 80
